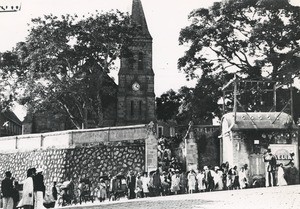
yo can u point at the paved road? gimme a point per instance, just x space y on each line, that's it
287 197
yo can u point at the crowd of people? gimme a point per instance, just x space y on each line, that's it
176 181
168 179
33 191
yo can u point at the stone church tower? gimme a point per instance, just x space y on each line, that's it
136 97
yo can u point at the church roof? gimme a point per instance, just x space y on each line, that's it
259 120
138 17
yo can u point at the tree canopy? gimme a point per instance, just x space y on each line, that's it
167 105
64 63
199 104
255 38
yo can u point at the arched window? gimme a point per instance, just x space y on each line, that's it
141 61
132 108
140 108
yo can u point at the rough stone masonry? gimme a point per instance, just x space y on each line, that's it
80 154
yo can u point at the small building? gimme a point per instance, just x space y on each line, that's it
247 136
10 124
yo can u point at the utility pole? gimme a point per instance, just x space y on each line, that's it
235 97
292 101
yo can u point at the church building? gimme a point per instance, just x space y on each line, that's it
136 98
134 101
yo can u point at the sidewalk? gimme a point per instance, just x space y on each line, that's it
286 197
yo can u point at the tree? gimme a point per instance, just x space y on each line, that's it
167 105
64 63
200 104
255 38
7 79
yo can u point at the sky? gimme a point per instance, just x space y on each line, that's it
165 19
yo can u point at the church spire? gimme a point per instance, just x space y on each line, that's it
138 18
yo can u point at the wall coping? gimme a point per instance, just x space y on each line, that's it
71 138
66 132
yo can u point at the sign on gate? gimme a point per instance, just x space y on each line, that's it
285 153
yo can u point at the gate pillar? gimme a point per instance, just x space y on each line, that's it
191 150
151 148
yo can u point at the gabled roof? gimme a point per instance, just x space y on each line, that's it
9 115
259 120
138 17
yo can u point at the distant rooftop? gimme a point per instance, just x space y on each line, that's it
8 114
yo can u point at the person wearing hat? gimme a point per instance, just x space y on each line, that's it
7 191
270 159
39 189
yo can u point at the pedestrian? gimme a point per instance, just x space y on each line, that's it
38 188
201 181
102 194
54 190
7 190
16 195
281 176
247 174
175 181
270 159
191 177
230 178
183 182
139 187
146 184
292 174
131 182
243 180
209 179
165 183
235 177
156 183
218 181
50 197
27 196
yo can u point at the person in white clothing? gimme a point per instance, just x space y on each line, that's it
175 180
27 197
243 180
280 173
201 181
191 177
146 183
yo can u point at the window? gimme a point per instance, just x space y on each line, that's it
132 108
172 131
141 62
160 131
140 108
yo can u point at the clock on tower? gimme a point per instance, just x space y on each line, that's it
135 86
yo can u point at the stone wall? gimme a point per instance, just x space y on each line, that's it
79 154
80 162
52 161
93 162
